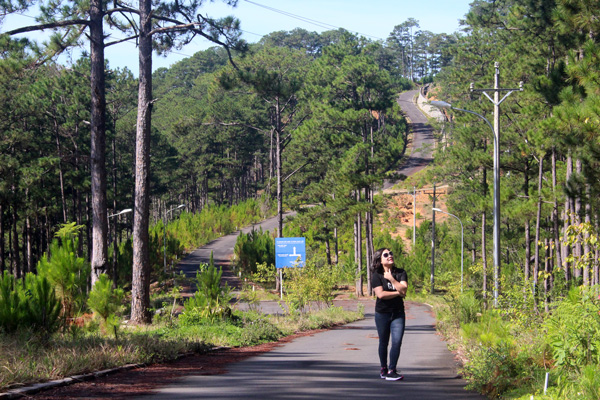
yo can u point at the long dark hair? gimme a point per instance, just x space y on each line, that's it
376 262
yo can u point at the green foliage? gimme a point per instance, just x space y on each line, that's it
194 230
210 301
584 385
492 331
124 262
308 284
574 330
11 308
67 272
42 308
265 273
29 304
256 247
496 369
105 301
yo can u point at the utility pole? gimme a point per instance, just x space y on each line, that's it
496 101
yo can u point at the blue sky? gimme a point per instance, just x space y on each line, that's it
374 19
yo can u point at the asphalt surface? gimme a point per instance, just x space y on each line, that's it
422 140
341 363
222 249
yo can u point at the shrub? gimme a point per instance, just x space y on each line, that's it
106 301
254 248
210 301
42 309
574 330
265 273
11 308
308 284
65 270
495 370
30 304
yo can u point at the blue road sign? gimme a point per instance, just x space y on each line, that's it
290 252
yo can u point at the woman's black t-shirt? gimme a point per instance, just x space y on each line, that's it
394 304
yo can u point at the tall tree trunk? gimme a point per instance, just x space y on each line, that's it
536 267
577 215
114 272
16 261
586 247
358 250
278 161
140 291
99 260
547 274
278 176
527 271
60 173
555 218
567 221
28 244
335 238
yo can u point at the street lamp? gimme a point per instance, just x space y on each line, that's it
125 211
115 244
462 244
165 234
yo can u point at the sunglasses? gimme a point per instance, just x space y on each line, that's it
386 255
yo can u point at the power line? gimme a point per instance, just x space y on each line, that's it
323 25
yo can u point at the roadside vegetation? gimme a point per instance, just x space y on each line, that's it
39 343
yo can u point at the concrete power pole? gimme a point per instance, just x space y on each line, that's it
496 101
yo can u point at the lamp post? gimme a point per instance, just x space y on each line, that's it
115 244
462 244
165 234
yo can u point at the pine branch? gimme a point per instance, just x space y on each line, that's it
51 25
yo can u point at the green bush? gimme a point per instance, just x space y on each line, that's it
11 307
491 330
574 330
265 273
310 283
42 309
28 304
256 247
106 302
65 270
210 301
493 370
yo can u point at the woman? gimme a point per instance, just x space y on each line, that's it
389 284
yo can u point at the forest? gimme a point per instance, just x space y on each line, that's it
303 118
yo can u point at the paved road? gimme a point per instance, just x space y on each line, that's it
340 363
421 148
222 249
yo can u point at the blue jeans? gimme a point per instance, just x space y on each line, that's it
390 323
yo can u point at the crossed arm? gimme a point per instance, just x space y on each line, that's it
401 288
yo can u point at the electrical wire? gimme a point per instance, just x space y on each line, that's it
323 25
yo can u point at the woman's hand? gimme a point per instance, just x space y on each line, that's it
388 275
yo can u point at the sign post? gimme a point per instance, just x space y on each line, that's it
289 253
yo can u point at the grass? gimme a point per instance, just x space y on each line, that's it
27 358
